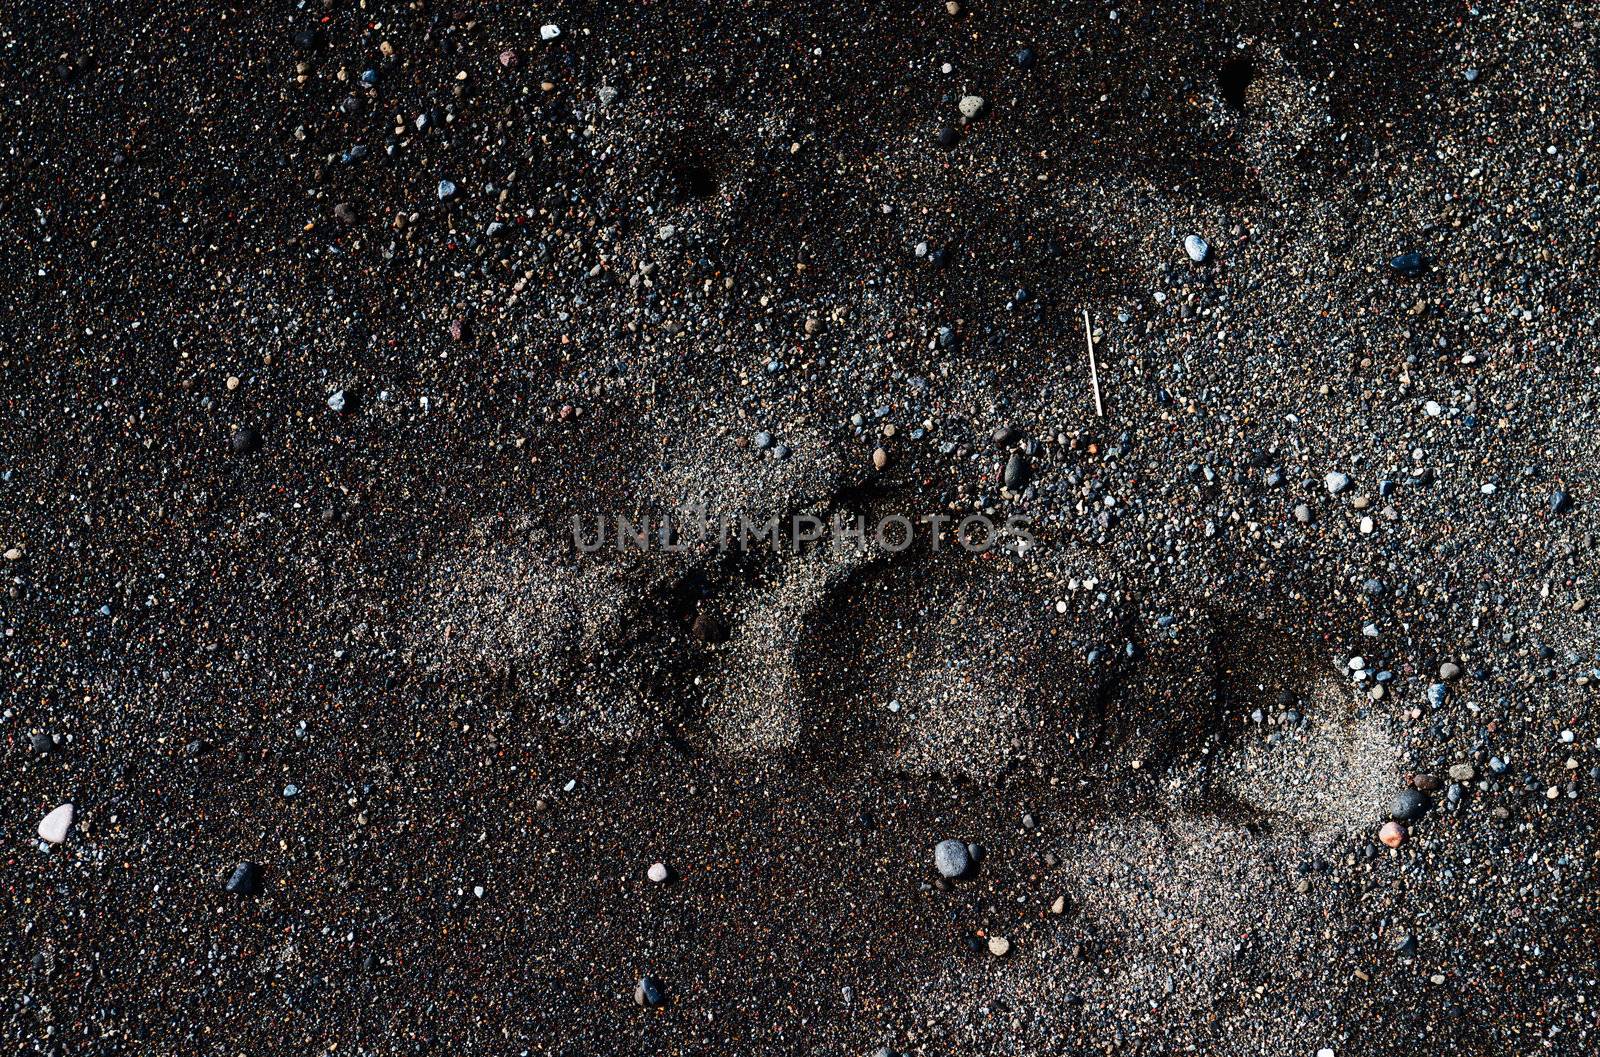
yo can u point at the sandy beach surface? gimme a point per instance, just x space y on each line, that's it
327 327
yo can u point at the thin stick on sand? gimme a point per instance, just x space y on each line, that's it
1094 376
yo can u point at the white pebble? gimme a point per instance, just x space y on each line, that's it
54 826
657 873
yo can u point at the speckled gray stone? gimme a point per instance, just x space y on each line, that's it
950 858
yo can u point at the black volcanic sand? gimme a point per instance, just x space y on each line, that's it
295 435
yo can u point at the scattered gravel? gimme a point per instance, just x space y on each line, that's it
325 324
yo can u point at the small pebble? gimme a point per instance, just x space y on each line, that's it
54 826
951 859
647 992
1409 265
1409 805
245 879
1017 471
1392 834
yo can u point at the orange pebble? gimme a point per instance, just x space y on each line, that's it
1392 834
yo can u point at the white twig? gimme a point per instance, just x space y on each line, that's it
1094 376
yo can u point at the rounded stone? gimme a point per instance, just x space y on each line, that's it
1197 248
658 873
950 858
1017 471
1409 805
1392 834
